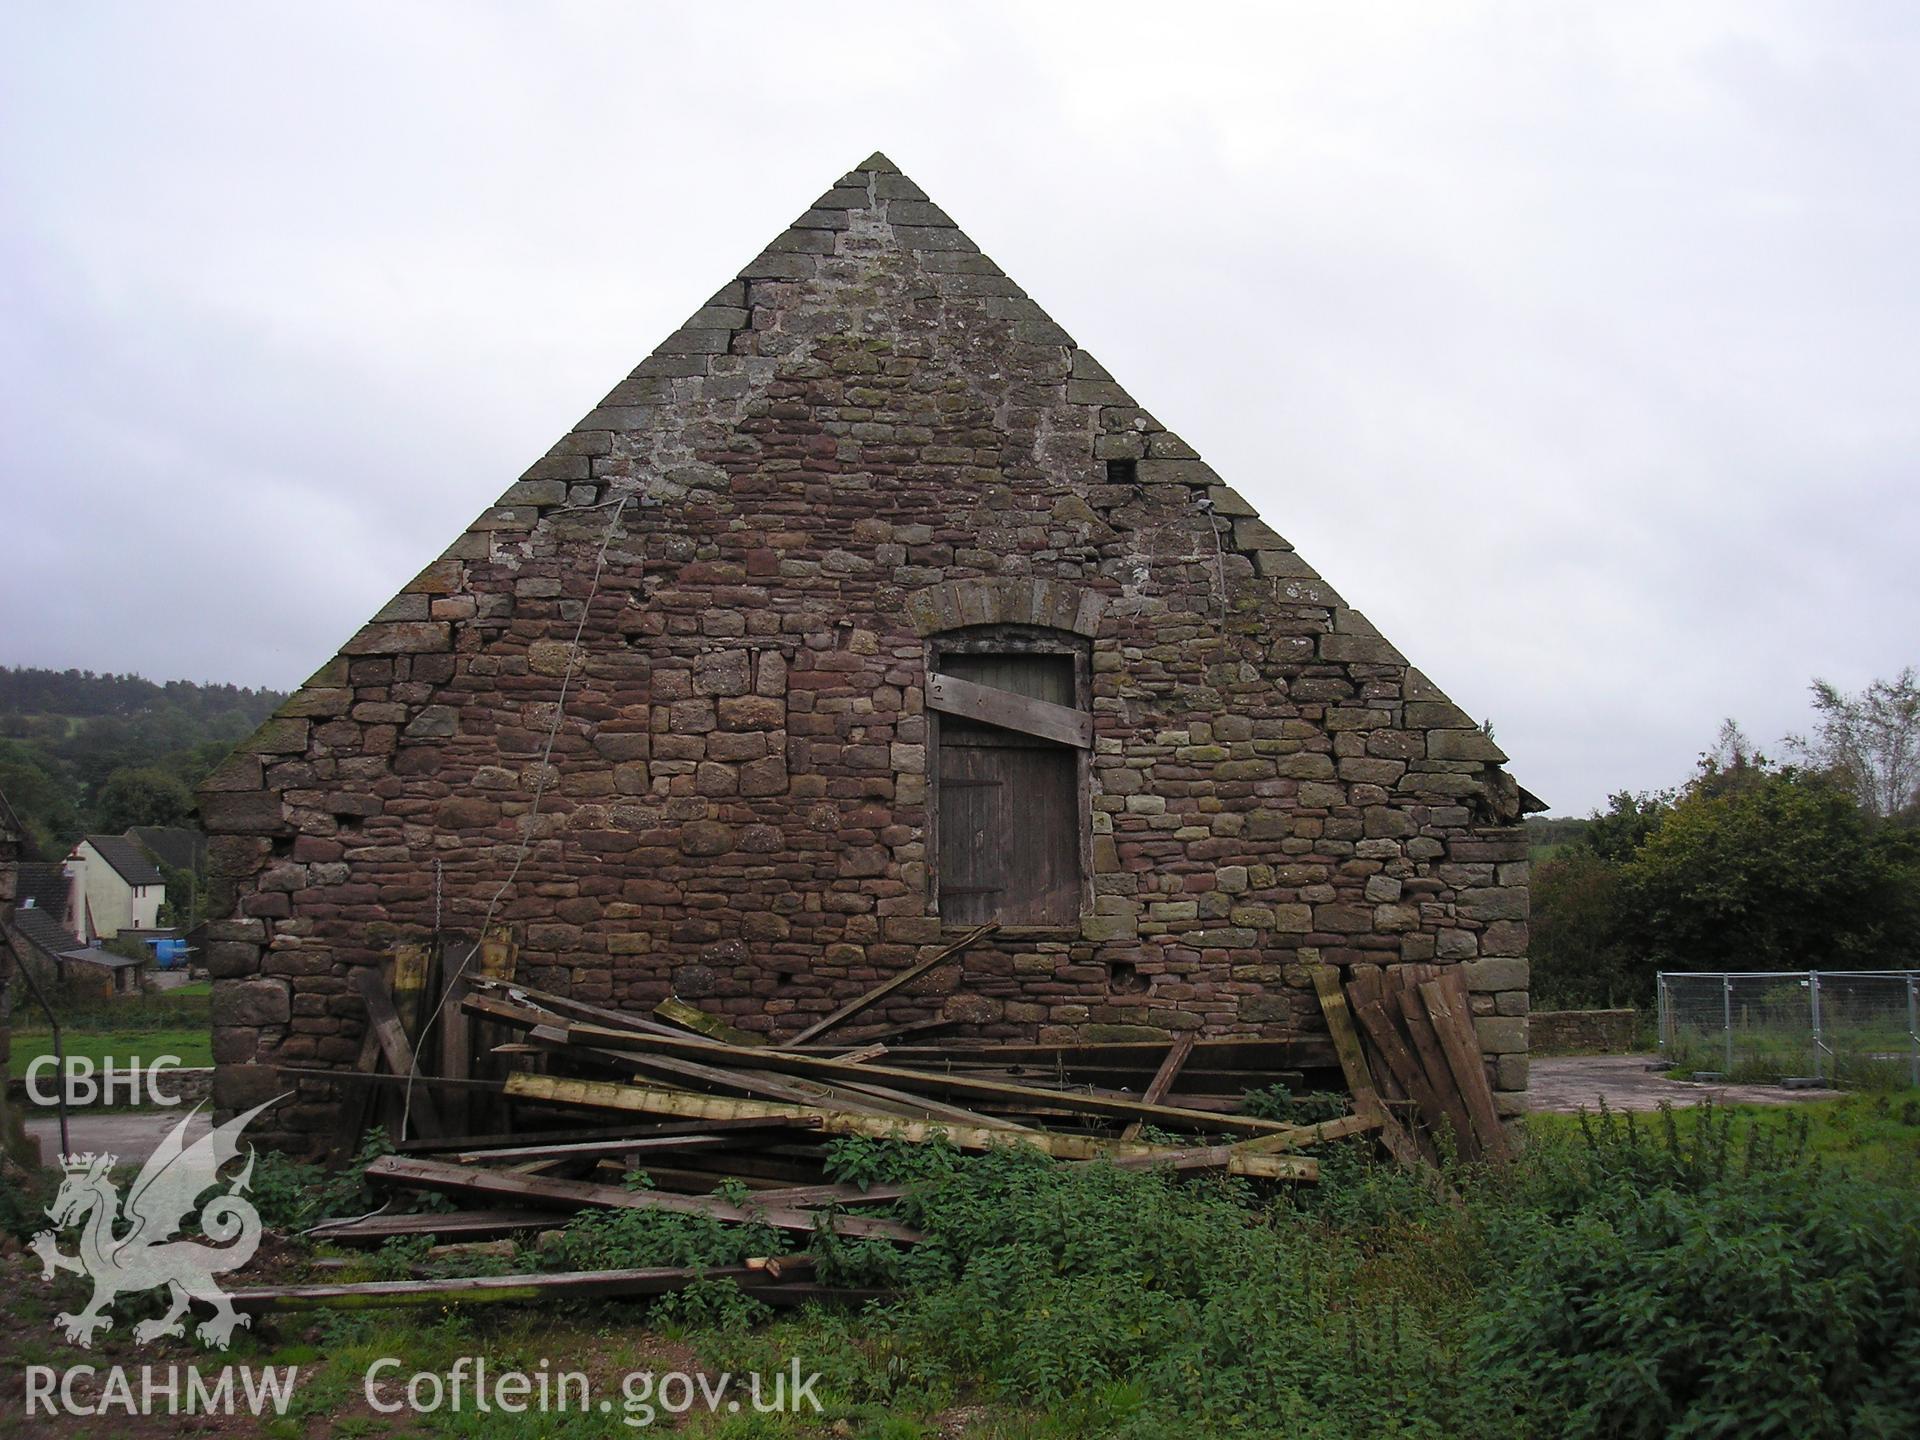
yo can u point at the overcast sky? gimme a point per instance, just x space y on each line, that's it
1575 345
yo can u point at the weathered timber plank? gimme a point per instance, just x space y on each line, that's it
1163 1078
409 987
814 1197
578 1194
586 1149
526 996
1398 1056
392 1036
1364 984
640 1099
1447 1007
958 1086
887 987
357 1108
1353 1062
498 1289
454 1225
1433 1064
1042 719
462 1143
691 1017
1312 1134
456 1049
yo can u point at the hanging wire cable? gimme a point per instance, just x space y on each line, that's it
532 818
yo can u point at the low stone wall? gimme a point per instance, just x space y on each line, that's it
1583 1032
180 1085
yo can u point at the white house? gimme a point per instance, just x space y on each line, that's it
115 887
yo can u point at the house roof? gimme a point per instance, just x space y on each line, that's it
44 930
128 860
173 845
46 884
106 959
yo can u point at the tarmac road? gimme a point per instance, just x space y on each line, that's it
130 1134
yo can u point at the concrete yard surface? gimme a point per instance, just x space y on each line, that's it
1569 1083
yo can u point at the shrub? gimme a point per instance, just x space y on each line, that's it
1706 1279
1054 1282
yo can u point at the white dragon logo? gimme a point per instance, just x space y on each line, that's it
145 1255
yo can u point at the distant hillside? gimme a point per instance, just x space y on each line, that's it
1548 835
83 752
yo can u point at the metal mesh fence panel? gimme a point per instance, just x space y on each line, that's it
1855 1028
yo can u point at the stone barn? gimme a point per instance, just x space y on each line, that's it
867 609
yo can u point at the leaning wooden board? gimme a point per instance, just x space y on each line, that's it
1412 1013
1346 1044
1447 1007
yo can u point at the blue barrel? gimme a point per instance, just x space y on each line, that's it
169 953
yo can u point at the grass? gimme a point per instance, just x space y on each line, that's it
123 1047
123 1029
1056 1301
1871 1136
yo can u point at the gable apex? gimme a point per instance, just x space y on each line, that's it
872 252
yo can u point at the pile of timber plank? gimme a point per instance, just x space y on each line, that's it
735 1126
1406 1042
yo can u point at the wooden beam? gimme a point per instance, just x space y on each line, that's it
1313 1134
497 1289
1398 1056
409 987
797 1090
456 1048
621 1145
461 1143
887 987
958 1086
1162 1081
448 1225
1353 1063
578 1195
393 1044
814 1197
951 695
691 1017
357 1108
1224 1058
1363 984
1448 1012
564 1005
382 1082
1412 1010
645 1100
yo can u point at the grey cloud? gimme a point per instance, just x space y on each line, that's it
1577 348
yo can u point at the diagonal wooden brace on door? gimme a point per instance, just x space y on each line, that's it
951 695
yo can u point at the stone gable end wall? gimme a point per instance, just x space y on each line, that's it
733 565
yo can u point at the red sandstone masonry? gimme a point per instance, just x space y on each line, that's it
871 437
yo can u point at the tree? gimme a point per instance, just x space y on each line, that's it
146 796
1782 871
1579 944
1614 834
42 799
1871 740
